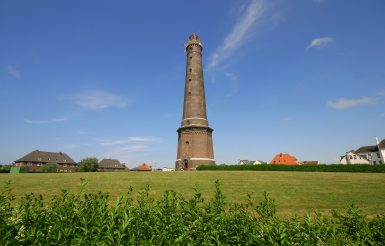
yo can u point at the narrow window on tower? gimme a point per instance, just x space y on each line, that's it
190 70
189 79
190 57
189 93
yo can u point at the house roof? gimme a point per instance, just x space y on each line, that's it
365 149
284 159
46 157
142 167
246 162
311 162
111 164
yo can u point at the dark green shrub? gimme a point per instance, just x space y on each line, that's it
301 168
89 164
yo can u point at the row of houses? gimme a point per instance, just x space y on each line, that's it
372 154
38 160
280 159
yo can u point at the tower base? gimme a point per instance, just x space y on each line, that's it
193 163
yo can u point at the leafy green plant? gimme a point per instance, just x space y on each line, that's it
89 164
136 218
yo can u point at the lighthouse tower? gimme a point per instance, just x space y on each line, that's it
195 144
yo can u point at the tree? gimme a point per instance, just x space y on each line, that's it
89 164
50 167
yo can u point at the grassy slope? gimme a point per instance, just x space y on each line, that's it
293 191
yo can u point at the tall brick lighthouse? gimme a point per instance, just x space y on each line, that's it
195 144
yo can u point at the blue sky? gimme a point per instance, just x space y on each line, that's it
106 78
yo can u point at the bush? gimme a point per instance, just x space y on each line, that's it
5 170
89 164
92 219
363 168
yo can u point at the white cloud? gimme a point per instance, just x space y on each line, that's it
320 42
13 72
48 121
239 33
130 140
98 100
349 103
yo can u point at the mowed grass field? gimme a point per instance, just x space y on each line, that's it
293 191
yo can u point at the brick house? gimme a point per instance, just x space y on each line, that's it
285 159
37 161
111 165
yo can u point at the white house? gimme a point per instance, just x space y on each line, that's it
374 154
166 169
247 162
351 157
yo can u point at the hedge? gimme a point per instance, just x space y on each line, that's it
362 168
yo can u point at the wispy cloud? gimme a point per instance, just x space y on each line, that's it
47 121
130 140
239 33
127 148
13 72
320 42
349 103
235 84
98 100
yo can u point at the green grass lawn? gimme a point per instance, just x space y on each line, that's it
292 191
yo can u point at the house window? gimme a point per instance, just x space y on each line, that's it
374 162
64 165
355 157
351 157
380 162
378 155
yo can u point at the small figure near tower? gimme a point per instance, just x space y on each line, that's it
195 144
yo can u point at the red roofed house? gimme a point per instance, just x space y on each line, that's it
142 167
284 159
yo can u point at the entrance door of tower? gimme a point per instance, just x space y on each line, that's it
185 164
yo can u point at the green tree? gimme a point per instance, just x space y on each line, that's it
50 167
89 164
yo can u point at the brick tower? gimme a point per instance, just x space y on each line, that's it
195 144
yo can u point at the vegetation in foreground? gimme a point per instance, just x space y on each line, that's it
89 219
360 168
